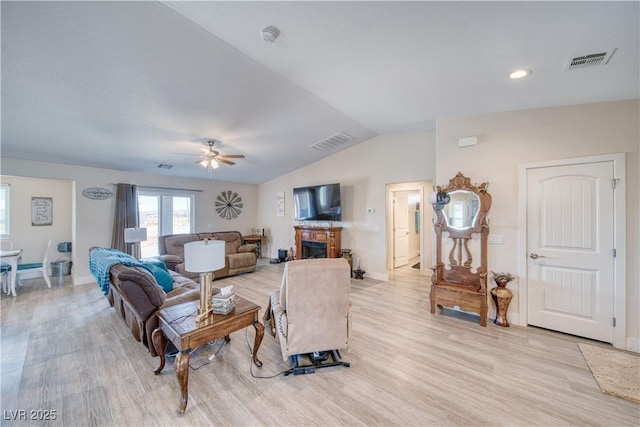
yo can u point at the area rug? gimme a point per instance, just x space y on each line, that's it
616 372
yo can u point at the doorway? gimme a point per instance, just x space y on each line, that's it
574 246
409 237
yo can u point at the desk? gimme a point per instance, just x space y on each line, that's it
11 257
258 240
178 325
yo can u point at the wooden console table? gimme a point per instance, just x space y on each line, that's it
327 235
178 325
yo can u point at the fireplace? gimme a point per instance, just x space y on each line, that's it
313 249
317 242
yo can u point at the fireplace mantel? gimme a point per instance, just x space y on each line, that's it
328 235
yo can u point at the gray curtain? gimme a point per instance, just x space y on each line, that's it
126 216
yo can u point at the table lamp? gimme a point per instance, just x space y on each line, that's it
204 257
135 236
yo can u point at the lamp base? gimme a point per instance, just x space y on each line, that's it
205 296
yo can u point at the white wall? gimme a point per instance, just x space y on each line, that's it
363 172
33 239
94 218
512 138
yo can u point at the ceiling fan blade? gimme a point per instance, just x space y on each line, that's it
221 160
232 156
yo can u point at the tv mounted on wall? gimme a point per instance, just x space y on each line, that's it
317 203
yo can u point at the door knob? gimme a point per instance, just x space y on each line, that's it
536 256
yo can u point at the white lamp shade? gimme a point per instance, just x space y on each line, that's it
135 235
204 256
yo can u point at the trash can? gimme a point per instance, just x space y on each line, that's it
60 268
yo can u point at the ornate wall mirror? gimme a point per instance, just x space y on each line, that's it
459 277
462 211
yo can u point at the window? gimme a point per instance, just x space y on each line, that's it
5 208
162 213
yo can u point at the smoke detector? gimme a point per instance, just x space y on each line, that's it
270 34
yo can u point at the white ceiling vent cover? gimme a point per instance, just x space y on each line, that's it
333 142
590 60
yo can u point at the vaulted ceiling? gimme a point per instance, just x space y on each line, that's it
131 85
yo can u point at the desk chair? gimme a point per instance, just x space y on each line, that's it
35 266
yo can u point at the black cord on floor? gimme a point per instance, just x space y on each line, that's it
246 335
210 357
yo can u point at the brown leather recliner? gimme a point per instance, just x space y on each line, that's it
240 257
136 297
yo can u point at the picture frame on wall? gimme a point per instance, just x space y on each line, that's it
41 211
280 204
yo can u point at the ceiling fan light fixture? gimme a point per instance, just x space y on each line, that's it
204 163
214 164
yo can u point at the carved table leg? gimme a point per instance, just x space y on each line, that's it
158 342
181 368
257 341
432 299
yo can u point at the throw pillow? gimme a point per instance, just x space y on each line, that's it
161 274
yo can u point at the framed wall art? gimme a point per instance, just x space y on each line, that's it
280 204
41 211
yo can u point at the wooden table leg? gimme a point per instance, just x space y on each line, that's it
159 343
257 341
181 368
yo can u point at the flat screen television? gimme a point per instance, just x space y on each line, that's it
317 203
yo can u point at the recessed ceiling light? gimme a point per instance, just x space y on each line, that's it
520 74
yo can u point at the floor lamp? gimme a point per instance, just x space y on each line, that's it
204 257
135 236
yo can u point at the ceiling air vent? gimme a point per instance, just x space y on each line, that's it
164 166
333 142
590 60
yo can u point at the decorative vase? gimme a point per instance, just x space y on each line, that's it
501 297
502 284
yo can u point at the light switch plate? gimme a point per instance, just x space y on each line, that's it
496 239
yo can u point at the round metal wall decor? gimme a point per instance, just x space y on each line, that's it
229 204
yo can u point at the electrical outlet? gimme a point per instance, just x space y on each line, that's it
496 239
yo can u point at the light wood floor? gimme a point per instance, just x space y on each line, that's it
64 349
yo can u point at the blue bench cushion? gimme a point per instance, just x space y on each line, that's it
29 266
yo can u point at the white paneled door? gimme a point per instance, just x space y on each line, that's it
570 239
400 229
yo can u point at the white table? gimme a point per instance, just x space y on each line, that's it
11 257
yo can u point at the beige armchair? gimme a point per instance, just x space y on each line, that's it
310 314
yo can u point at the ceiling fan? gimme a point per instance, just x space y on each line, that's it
211 158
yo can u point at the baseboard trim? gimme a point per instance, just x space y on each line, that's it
633 344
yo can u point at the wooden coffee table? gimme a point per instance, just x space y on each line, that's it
178 325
